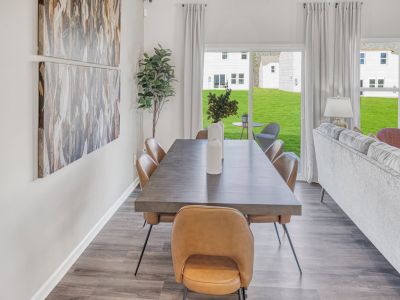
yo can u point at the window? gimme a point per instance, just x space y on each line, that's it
224 55
233 78
272 69
381 83
244 55
383 58
362 58
241 78
372 82
219 81
361 83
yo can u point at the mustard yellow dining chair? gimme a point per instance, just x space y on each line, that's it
154 149
145 167
212 250
287 166
202 135
275 150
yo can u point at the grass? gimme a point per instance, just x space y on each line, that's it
271 105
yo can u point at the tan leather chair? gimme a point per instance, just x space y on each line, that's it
274 150
202 135
287 166
154 149
145 167
212 250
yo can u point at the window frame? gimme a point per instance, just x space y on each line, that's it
385 59
241 79
273 69
362 58
224 55
243 55
234 78
373 86
377 82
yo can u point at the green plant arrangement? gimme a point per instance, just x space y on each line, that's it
155 82
221 107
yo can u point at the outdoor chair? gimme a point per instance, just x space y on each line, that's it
268 135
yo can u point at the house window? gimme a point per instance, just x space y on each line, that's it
362 58
224 55
383 58
381 83
233 78
244 55
372 83
219 81
272 69
361 85
241 78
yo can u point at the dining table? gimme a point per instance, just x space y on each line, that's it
249 182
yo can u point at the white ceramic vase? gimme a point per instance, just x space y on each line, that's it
214 132
222 137
214 159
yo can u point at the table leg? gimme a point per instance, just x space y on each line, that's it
241 135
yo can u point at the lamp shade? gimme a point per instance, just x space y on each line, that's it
338 107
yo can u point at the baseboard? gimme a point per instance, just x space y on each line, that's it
55 278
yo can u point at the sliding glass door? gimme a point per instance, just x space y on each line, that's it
267 85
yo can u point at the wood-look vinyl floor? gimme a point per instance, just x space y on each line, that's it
338 261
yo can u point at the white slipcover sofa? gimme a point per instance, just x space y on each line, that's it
363 177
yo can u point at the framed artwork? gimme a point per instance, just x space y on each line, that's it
78 112
81 30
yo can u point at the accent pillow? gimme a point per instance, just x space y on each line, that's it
356 141
386 155
331 130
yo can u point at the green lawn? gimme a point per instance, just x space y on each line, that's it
271 105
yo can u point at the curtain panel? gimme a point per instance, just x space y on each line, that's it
194 44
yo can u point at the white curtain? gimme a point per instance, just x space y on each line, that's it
193 68
346 72
316 73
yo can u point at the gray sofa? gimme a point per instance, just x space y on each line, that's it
363 177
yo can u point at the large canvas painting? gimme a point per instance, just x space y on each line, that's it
78 112
82 30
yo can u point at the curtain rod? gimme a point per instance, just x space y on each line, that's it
336 4
183 5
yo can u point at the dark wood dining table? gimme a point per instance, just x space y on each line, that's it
249 182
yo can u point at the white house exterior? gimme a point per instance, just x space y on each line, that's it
379 69
284 74
221 68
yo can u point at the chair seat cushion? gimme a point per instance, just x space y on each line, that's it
212 275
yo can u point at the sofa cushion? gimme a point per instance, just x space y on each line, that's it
331 130
356 141
386 155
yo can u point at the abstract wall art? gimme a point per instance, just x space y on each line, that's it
78 112
82 30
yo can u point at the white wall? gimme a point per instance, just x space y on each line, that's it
42 221
269 79
238 22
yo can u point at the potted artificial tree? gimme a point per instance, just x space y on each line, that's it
155 79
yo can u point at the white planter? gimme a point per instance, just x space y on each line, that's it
214 159
215 132
222 137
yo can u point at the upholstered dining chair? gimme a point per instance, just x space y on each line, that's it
212 250
287 166
145 167
202 135
154 149
275 150
390 136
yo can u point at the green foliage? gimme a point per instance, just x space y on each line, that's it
155 80
220 106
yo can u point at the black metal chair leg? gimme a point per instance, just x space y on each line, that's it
144 224
277 233
144 248
291 246
244 290
240 294
185 292
322 194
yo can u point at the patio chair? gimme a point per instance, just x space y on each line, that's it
268 135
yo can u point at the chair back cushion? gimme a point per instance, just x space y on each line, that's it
287 166
145 167
274 150
356 141
154 149
202 135
213 231
272 128
386 155
390 136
